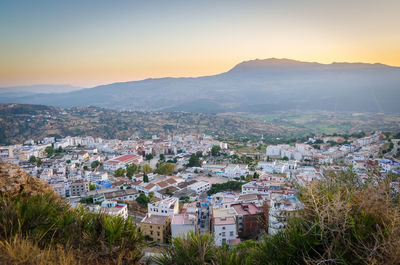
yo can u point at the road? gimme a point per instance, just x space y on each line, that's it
392 153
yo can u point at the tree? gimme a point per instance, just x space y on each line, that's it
131 170
146 168
249 177
142 199
92 186
120 172
194 247
145 178
162 157
215 150
285 158
230 185
85 168
184 199
168 192
95 164
49 151
39 162
165 168
149 156
32 159
316 146
194 161
151 195
87 200
68 161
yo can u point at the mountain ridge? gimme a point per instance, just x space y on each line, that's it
274 84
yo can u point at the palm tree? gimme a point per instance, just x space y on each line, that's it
192 249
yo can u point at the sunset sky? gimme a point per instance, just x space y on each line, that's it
86 43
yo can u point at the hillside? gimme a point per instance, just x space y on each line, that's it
19 122
14 180
257 86
38 227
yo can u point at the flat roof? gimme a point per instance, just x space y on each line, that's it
154 219
224 221
246 209
183 219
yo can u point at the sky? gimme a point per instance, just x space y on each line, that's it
86 43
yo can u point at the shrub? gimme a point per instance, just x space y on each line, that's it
47 221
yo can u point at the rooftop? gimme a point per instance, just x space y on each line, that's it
154 219
246 209
183 219
224 221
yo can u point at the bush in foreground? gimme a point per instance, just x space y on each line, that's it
344 221
47 224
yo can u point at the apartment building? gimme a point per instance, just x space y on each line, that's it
78 187
166 207
156 227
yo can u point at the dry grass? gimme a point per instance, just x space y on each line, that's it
19 250
355 222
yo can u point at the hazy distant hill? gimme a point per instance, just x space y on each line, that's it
11 92
19 122
252 86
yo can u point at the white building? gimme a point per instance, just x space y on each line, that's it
224 229
277 167
182 224
200 186
166 207
111 208
234 170
273 150
122 161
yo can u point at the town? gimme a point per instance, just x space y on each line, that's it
174 184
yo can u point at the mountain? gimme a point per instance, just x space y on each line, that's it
18 91
251 86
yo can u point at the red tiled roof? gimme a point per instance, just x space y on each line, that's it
136 183
125 158
162 184
151 185
171 181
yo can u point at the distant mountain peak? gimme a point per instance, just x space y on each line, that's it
286 64
257 85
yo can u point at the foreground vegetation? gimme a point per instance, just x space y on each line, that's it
43 229
344 221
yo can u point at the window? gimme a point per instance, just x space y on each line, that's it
231 233
223 233
223 228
